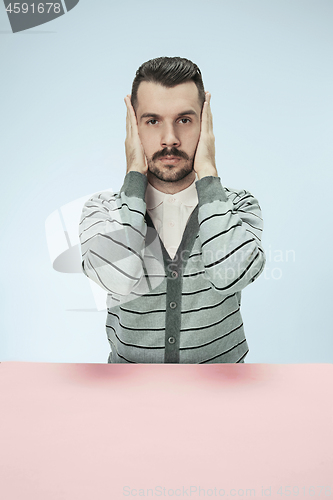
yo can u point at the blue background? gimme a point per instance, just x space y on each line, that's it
268 66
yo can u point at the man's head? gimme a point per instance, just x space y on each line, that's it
168 72
167 96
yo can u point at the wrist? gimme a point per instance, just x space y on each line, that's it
136 169
210 189
207 172
135 184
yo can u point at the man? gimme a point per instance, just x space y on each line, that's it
174 248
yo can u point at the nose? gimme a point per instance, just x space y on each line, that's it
169 137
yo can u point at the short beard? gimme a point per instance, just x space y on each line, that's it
170 173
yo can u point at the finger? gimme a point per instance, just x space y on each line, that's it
144 156
133 126
133 130
205 115
128 119
209 112
131 110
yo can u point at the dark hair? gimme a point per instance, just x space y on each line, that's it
169 72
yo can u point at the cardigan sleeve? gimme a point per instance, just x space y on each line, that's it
112 233
230 230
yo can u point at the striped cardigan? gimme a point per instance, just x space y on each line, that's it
181 310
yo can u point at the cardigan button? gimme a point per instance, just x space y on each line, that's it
173 305
171 340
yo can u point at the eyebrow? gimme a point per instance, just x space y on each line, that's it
155 116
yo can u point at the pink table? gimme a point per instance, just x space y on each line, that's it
90 431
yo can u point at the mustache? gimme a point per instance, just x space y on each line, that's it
172 152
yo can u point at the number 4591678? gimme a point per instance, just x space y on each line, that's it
40 8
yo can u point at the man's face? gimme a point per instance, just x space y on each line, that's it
169 122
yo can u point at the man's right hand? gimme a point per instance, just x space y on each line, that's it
135 156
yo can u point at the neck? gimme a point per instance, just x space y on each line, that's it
171 187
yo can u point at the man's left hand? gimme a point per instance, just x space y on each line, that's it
204 161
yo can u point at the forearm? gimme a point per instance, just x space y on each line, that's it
230 234
112 235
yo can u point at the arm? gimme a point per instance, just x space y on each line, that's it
230 224
230 234
112 236
113 229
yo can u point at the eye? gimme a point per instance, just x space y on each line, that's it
152 121
185 120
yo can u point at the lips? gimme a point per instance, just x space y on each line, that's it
170 159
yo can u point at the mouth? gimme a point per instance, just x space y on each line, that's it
170 159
